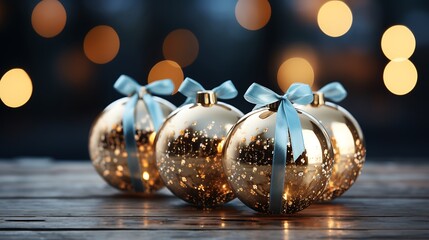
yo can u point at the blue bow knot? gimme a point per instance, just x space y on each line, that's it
190 88
129 87
287 122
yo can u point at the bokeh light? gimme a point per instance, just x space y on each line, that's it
74 68
253 14
306 10
181 46
48 18
167 69
15 88
398 42
101 44
296 69
400 76
335 18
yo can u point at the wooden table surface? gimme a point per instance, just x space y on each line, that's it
68 200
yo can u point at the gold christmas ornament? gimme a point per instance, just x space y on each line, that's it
108 146
251 148
189 145
346 136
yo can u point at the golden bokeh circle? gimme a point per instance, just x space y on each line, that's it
253 14
15 88
335 18
181 46
398 42
167 69
400 77
101 44
48 18
296 69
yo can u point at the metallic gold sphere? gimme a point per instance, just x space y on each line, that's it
347 141
189 151
248 155
107 145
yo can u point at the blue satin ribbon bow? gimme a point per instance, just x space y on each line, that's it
287 122
190 87
334 91
129 87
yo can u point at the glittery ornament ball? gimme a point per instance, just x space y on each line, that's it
348 144
107 145
189 153
248 158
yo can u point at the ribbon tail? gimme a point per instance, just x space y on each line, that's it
278 169
154 110
295 129
131 145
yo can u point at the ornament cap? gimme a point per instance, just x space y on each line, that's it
318 99
206 98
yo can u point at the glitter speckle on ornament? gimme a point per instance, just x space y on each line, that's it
346 136
278 160
108 149
189 149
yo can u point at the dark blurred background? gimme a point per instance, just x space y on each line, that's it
73 68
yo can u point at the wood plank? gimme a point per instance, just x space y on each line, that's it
77 180
216 234
171 206
47 200
212 222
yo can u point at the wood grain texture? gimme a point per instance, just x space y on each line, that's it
64 200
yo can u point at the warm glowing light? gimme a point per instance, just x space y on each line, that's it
181 46
146 176
101 44
15 88
295 69
400 77
335 18
167 69
253 14
398 42
307 9
48 18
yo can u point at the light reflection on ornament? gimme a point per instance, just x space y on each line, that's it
344 135
313 146
146 176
